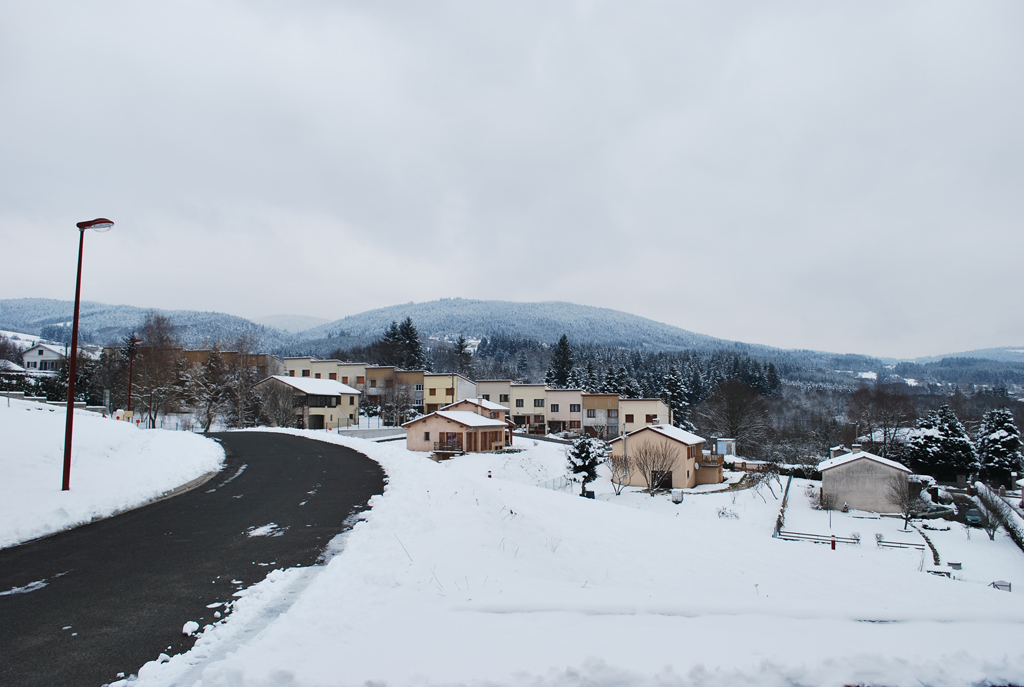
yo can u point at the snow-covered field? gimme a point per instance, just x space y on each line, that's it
114 466
457 578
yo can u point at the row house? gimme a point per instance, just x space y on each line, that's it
529 407
351 374
565 410
440 390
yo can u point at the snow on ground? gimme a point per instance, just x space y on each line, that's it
455 577
114 466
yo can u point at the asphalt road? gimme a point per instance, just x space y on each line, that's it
118 591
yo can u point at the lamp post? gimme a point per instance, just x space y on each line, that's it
131 361
100 224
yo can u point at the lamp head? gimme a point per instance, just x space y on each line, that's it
100 224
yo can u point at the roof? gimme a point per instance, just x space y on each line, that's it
50 347
850 457
8 366
463 417
680 435
316 387
482 402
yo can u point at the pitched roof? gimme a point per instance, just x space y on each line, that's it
50 347
482 402
680 435
316 387
850 457
8 366
463 417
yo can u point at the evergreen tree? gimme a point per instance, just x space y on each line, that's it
463 357
674 393
632 389
940 446
413 355
389 347
999 447
583 457
615 381
577 378
522 367
562 363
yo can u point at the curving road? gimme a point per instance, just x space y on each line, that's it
118 591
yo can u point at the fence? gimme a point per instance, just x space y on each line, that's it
562 483
883 544
816 538
1008 518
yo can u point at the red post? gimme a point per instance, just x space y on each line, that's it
73 353
833 542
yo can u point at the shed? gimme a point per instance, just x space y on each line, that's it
861 480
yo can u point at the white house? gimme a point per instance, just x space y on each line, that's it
43 358
861 480
321 403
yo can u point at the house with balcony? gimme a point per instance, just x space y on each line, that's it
320 403
453 432
488 409
682 463
565 410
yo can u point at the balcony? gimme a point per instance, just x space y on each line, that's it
448 446
711 461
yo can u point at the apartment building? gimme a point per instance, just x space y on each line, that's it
529 407
601 415
444 389
320 403
564 410
635 413
496 390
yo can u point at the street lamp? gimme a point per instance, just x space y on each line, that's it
100 225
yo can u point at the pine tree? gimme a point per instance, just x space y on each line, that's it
562 363
390 346
940 446
674 393
999 447
463 357
413 355
522 367
632 389
615 381
583 458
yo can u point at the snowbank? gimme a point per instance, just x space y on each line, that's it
114 466
455 577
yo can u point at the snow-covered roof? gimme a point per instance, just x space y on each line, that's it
482 402
680 435
49 347
8 366
463 417
850 457
317 387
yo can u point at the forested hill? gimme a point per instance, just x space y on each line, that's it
102 324
545 322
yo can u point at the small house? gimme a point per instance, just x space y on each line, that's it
674 457
320 403
861 480
456 431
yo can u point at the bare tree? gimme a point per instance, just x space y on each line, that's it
903 494
278 404
652 460
989 522
621 467
738 411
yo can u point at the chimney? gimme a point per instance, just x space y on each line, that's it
855 448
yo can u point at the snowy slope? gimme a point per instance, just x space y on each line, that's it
457 578
115 466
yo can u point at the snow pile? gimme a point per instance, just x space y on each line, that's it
455 577
114 466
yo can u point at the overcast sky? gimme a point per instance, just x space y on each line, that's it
842 176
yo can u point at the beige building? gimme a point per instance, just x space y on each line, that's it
444 389
683 464
565 410
861 481
601 415
351 374
635 413
497 390
488 409
529 407
320 403
455 431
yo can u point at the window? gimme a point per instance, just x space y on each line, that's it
373 383
574 407
426 436
333 375
574 424
554 408
291 373
433 392
519 403
351 400
486 397
360 380
389 383
419 387
305 373
317 375
449 391
613 412
629 418
539 419
502 398
40 351
591 412
494 415
651 419
417 402
538 403
344 380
